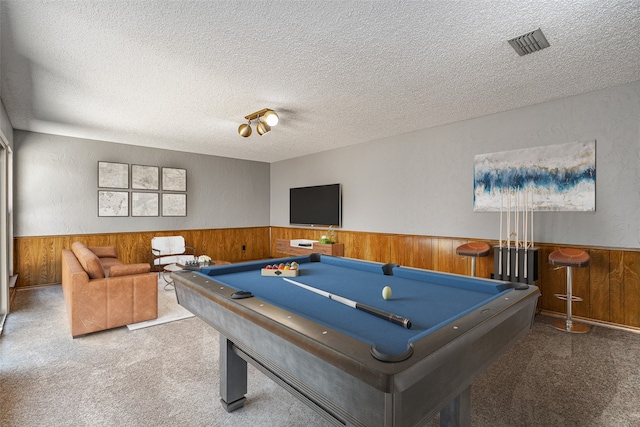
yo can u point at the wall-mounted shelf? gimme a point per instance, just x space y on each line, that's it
283 246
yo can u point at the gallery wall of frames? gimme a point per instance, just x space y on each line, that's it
141 190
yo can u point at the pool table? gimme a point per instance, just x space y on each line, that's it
355 368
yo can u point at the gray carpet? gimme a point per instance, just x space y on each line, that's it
166 375
168 308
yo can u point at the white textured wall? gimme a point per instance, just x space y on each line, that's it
56 187
418 183
422 182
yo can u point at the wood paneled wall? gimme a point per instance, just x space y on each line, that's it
37 260
610 286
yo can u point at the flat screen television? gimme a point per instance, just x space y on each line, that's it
319 205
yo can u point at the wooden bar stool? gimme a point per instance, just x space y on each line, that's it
569 258
474 250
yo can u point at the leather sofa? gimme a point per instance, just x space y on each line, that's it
101 292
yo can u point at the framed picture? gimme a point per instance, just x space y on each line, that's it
144 177
113 203
174 204
113 175
559 177
174 179
145 204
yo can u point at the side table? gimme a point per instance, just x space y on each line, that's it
166 275
170 268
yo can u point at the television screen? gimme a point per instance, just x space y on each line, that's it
317 205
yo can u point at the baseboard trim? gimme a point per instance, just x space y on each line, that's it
32 287
593 322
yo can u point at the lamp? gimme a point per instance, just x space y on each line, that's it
270 117
263 128
245 129
265 117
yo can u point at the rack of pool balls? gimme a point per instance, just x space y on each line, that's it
289 269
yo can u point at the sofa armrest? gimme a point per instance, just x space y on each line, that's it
128 269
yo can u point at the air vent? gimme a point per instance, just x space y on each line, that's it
529 43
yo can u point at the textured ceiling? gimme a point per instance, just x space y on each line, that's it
182 75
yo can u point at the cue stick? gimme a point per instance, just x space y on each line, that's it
517 221
525 229
532 209
509 233
501 209
393 318
526 215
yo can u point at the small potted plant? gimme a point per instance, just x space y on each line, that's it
330 238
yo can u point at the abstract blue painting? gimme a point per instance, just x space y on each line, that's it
560 177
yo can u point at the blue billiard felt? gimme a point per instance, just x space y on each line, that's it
429 299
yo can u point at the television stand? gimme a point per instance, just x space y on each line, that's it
283 246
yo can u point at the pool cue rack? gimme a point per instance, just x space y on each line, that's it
511 266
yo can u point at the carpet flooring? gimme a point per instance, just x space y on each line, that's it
167 375
168 308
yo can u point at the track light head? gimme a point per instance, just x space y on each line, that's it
245 129
270 117
263 128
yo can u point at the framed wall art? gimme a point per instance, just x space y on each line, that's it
174 179
174 204
144 177
113 203
559 177
113 175
145 204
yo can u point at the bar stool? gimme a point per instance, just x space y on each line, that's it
474 250
569 258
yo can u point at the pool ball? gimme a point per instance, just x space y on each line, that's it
386 292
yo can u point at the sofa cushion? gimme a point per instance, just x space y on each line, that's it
128 269
107 263
89 261
75 246
104 251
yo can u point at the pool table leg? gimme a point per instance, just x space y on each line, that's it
233 377
458 411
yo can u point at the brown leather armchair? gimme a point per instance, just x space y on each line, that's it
101 292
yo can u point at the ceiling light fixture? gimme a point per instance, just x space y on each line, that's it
265 117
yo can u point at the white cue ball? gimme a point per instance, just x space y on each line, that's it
386 292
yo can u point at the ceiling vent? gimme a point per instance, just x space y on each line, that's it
529 43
